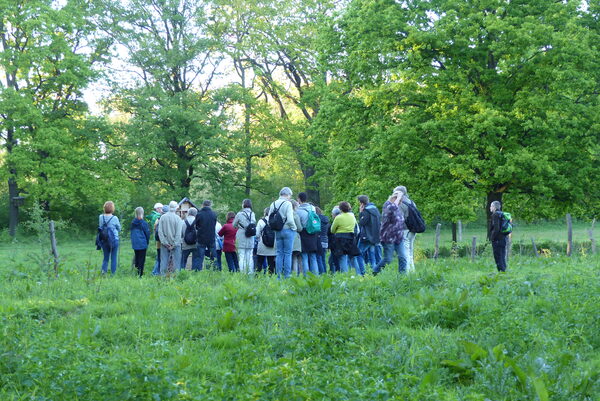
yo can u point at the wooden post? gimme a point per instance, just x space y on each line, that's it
508 247
473 249
437 240
535 251
459 231
592 240
54 250
569 235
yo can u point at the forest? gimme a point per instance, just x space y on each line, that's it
138 101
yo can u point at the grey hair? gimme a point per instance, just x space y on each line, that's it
192 211
401 188
173 206
267 211
496 205
336 210
294 204
139 211
285 191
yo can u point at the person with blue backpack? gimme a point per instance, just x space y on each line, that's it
139 233
500 227
108 237
310 236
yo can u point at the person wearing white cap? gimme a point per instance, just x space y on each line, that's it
152 218
170 233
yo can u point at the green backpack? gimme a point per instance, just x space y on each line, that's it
505 223
313 225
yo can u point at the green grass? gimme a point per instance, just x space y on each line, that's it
454 330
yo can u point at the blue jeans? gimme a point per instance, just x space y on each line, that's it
388 254
212 253
321 261
285 244
166 254
359 265
232 261
334 263
112 253
378 254
156 269
368 250
196 265
309 263
218 263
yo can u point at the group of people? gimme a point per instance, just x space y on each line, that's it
291 237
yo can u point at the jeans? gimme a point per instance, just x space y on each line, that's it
309 263
212 253
165 255
140 260
388 254
196 264
218 263
334 263
343 263
499 249
246 260
321 263
285 244
368 251
409 250
378 254
359 265
232 261
112 254
156 269
260 262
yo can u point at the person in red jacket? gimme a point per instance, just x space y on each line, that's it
228 233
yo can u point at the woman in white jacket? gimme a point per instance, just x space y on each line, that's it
245 245
264 251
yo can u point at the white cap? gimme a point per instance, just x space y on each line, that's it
158 206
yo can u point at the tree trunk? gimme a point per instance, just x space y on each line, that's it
13 214
248 183
312 187
491 197
454 231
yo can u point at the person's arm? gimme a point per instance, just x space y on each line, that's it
236 221
297 222
259 227
335 225
289 216
117 224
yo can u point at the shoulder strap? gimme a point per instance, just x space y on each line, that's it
187 223
276 209
105 222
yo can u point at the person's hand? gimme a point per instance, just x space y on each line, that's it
362 207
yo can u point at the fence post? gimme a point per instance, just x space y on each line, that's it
535 251
54 249
459 231
569 235
437 240
473 249
509 247
592 240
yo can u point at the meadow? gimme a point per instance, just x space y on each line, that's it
454 330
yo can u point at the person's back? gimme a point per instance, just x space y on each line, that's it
206 221
169 229
370 223
286 211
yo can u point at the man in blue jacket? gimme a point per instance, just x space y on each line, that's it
369 223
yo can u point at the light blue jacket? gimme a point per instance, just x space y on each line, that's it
113 224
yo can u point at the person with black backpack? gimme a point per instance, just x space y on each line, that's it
414 224
245 222
281 220
206 223
190 241
108 237
266 244
497 237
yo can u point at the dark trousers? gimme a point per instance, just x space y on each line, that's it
232 261
140 260
260 260
499 249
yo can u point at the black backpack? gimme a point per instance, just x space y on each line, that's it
276 222
414 221
250 229
190 237
156 236
268 235
103 232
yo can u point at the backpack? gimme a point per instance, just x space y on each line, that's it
268 235
414 221
276 222
505 222
313 224
250 229
190 237
105 235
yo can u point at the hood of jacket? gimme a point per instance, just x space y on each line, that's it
137 222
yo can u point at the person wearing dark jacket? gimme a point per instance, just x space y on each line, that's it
369 221
206 221
140 238
324 241
496 236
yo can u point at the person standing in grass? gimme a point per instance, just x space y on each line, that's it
228 232
163 209
409 237
218 246
297 248
140 238
324 241
190 243
282 213
206 222
391 234
369 222
110 224
496 236
343 228
309 242
170 234
245 221
265 251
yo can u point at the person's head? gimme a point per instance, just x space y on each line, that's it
401 189
395 195
318 210
302 197
335 211
495 205
230 216
294 204
192 212
139 212
165 209
285 192
158 207
267 211
173 206
363 199
345 207
207 203
109 207
247 204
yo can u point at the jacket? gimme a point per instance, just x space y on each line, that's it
140 234
262 248
241 221
324 228
152 217
370 223
190 220
286 211
343 223
169 229
206 221
228 233
495 233
297 242
392 224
